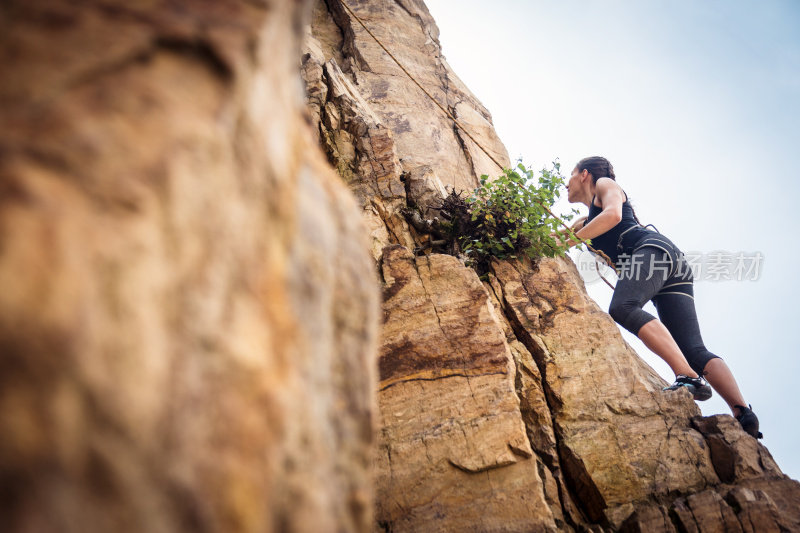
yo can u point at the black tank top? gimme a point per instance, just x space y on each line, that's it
621 238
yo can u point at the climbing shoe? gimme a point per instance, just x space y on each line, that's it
749 421
697 386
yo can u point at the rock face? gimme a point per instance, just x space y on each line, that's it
448 405
512 404
189 312
376 126
203 327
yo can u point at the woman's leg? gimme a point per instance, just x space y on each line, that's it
633 290
720 377
677 312
657 337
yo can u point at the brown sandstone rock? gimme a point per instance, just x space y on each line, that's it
747 507
734 454
523 385
376 124
188 313
621 438
453 446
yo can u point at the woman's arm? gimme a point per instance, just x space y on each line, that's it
578 224
611 197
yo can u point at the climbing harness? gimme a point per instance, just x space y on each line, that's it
479 145
621 249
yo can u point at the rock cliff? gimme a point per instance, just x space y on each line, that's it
188 307
214 315
512 404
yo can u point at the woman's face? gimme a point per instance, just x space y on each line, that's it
573 185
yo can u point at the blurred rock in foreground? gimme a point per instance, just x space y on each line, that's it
189 313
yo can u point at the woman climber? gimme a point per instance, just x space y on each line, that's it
651 267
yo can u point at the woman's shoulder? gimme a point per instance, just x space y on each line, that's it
604 184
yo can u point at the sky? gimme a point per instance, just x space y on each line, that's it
696 105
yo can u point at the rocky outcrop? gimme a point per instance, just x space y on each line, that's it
189 313
512 404
375 124
448 407
204 327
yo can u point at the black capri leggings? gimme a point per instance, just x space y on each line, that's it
671 287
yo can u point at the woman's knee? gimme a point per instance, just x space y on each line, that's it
619 310
629 315
698 361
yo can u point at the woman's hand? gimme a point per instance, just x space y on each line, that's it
567 237
561 238
580 223
557 235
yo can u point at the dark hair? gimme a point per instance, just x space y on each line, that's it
600 167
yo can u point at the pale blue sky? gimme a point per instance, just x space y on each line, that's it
696 104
